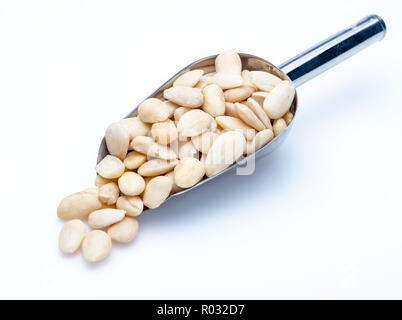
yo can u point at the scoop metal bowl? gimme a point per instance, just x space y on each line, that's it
301 68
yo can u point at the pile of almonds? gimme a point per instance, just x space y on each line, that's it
205 123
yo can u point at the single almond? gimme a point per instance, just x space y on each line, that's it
157 191
188 172
131 184
238 94
279 100
78 205
153 110
110 167
71 236
214 100
131 204
263 80
193 123
117 140
156 167
134 160
189 79
96 246
228 62
105 217
109 193
227 80
124 231
226 149
184 96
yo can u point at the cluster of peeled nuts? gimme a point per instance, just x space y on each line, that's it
204 123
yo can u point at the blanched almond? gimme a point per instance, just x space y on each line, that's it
124 231
187 149
134 160
263 80
279 126
226 149
184 96
96 246
117 140
230 110
131 204
214 101
231 123
260 140
279 100
227 80
238 94
156 167
105 217
259 112
157 191
109 193
164 132
110 167
78 205
228 62
142 144
71 236
249 117
153 110
204 141
193 123
135 127
131 184
188 172
189 79
288 117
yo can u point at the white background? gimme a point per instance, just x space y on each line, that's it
322 216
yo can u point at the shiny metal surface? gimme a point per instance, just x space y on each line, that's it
299 69
335 49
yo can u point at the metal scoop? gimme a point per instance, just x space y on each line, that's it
301 68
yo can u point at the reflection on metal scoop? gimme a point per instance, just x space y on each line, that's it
301 68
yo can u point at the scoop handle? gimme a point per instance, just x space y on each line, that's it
328 53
